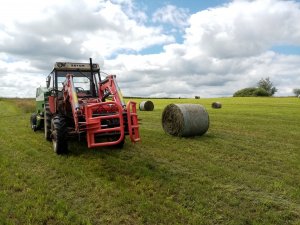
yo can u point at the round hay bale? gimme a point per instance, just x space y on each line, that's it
216 105
146 106
185 120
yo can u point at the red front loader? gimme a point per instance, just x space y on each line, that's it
80 104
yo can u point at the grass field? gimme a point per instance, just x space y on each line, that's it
244 170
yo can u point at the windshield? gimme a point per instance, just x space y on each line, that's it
83 81
80 79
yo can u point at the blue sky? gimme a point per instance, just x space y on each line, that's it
156 48
287 49
192 5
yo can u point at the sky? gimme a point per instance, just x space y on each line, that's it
156 48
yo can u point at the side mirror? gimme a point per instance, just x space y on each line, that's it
48 80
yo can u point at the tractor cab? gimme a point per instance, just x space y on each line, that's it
85 77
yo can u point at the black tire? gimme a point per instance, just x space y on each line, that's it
59 135
121 144
47 122
33 122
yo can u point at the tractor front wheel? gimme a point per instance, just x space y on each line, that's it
59 135
33 121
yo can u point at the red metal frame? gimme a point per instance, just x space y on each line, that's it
94 124
110 110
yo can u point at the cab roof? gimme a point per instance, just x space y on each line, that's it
63 66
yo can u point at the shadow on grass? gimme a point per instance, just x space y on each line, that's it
78 148
118 163
208 137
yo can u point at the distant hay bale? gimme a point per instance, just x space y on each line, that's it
216 105
185 120
146 106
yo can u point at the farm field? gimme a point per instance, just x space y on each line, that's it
244 170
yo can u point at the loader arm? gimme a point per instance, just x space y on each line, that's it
70 94
109 88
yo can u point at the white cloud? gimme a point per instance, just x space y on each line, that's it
19 79
171 14
244 28
43 32
224 48
129 7
170 75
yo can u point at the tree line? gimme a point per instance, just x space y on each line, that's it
264 88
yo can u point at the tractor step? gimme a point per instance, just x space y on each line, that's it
133 124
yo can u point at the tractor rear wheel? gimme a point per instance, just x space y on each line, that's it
47 122
33 121
59 135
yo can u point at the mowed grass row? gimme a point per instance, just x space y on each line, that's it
244 170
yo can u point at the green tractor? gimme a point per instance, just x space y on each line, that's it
37 118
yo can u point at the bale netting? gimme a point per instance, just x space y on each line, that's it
216 105
146 106
185 120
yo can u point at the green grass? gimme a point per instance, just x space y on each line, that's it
244 170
